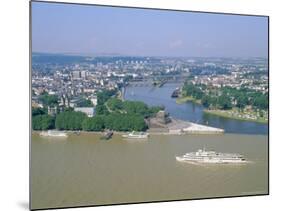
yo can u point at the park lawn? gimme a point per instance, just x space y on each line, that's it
225 114
184 99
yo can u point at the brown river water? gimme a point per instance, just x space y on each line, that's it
83 170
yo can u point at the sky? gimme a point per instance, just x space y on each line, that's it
85 29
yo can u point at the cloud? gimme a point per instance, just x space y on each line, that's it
176 44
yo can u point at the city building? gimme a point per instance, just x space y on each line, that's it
89 111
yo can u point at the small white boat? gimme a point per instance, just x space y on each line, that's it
53 133
137 135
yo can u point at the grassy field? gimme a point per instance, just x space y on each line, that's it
232 114
184 99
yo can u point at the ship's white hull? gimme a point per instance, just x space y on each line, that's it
53 134
211 161
135 137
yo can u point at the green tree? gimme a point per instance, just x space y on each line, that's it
125 122
38 111
93 123
242 101
101 110
48 100
85 103
224 102
261 101
154 110
43 122
70 120
115 104
104 95
136 107
206 101
192 90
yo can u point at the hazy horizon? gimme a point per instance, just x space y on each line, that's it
130 55
98 30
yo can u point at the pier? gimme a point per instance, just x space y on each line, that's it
159 83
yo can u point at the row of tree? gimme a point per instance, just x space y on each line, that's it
115 121
43 122
71 120
221 102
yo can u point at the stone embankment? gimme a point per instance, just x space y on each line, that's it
178 127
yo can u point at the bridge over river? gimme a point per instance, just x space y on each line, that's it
157 81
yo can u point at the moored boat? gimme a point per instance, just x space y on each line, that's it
137 135
54 133
176 93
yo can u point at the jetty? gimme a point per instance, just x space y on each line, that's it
107 135
159 83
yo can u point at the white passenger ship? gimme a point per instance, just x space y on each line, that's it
203 156
53 133
136 135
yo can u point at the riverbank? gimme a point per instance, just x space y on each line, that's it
184 99
175 127
234 114
230 114
83 132
190 111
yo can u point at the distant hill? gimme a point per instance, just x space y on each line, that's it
49 58
56 58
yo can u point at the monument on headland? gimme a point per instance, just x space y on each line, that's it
164 124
